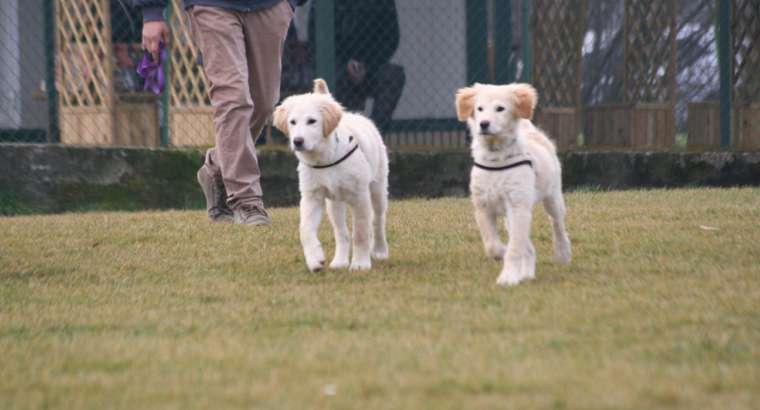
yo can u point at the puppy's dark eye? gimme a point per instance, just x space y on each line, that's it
499 108
292 122
311 121
480 108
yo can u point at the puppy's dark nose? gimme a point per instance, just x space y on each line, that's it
298 142
484 125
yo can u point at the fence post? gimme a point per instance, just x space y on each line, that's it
476 29
527 44
164 108
325 50
725 58
53 134
503 42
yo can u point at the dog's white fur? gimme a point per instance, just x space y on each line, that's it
502 133
327 133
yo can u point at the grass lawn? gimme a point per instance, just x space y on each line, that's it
165 310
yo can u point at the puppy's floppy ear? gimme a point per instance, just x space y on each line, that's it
280 118
331 115
320 87
465 102
525 100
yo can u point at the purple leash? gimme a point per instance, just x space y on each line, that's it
152 72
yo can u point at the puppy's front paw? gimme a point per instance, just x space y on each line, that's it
339 263
316 266
516 270
360 265
496 251
509 279
563 254
315 260
380 253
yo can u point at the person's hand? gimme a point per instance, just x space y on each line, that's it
154 33
356 71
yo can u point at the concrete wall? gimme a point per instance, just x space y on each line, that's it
10 71
38 178
32 35
433 53
22 64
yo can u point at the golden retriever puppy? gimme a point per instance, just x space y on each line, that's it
342 162
515 166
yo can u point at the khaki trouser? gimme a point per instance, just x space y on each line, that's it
242 58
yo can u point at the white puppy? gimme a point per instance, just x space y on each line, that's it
516 165
342 160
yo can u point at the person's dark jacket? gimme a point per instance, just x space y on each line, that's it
126 26
153 10
367 31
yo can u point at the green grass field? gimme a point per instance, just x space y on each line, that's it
659 309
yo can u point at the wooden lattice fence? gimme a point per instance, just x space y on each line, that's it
91 112
84 69
704 117
646 117
745 35
190 112
649 65
558 29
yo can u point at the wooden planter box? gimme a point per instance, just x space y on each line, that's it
650 126
746 128
132 121
704 126
562 124
192 126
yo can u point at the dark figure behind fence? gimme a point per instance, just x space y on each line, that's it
366 37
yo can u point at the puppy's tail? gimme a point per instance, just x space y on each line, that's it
538 136
320 87
545 141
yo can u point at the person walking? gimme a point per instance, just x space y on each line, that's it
241 44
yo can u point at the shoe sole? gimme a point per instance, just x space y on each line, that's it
222 219
204 182
254 223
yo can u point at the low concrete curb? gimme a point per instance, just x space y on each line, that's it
54 178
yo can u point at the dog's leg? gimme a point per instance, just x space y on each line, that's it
362 216
555 207
311 215
489 232
336 211
520 257
379 193
529 262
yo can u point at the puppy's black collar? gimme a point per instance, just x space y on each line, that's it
505 167
343 158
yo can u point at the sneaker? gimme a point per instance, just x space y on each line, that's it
250 214
216 197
